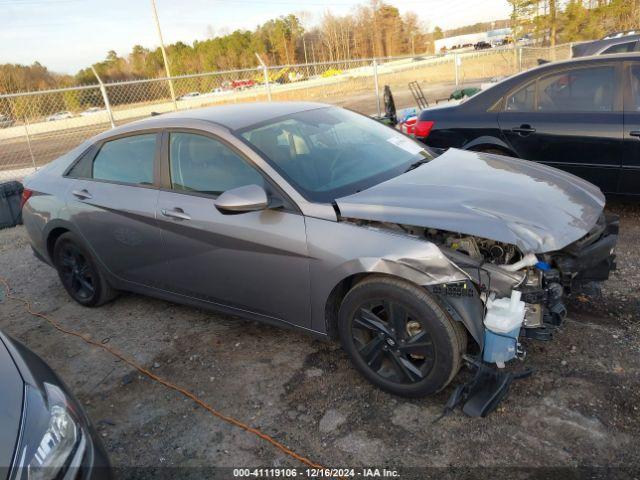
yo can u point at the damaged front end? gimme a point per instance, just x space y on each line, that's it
507 294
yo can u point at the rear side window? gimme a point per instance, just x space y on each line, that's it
580 90
522 100
126 160
621 48
205 165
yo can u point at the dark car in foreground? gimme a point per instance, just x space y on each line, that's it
582 116
44 433
314 217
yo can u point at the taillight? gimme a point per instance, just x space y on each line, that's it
423 128
26 195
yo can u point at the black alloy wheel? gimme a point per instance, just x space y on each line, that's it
79 272
399 337
75 272
392 343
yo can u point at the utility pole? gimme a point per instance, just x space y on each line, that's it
304 48
552 29
164 55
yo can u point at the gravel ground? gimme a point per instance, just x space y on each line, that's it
579 409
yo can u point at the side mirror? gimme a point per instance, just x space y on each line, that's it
249 198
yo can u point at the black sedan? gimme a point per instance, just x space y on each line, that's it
44 432
582 116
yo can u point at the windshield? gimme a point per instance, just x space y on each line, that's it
328 153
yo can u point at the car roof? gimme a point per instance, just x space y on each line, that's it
233 116
593 59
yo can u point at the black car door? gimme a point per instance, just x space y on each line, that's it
570 119
630 177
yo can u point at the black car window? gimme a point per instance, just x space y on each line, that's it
635 89
205 165
580 90
621 48
522 100
126 160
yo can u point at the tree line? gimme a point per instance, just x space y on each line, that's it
375 29
552 22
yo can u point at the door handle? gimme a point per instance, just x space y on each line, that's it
523 130
176 213
82 194
635 133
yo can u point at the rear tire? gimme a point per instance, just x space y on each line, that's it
399 337
79 272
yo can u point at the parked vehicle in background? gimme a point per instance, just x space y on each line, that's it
190 95
375 238
526 40
60 116
44 432
482 45
582 116
92 111
242 84
6 121
621 42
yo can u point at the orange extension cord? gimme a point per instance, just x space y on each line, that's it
186 393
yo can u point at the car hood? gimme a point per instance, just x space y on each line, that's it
537 208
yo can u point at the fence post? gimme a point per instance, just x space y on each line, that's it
105 97
520 58
456 61
26 132
375 83
265 73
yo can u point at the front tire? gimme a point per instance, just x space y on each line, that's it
79 272
399 337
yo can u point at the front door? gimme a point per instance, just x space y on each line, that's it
630 177
112 203
574 122
253 261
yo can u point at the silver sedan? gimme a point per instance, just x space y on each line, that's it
314 217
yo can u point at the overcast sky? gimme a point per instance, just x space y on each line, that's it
66 35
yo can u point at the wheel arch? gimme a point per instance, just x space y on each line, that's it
486 141
467 310
52 232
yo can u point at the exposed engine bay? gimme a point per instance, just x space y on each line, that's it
509 294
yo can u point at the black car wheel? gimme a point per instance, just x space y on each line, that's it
79 273
399 337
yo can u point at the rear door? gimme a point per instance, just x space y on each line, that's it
630 177
570 119
112 203
252 261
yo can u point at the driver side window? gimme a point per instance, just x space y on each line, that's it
202 164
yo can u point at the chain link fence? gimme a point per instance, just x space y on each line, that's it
37 127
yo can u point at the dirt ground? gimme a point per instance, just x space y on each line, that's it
579 409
